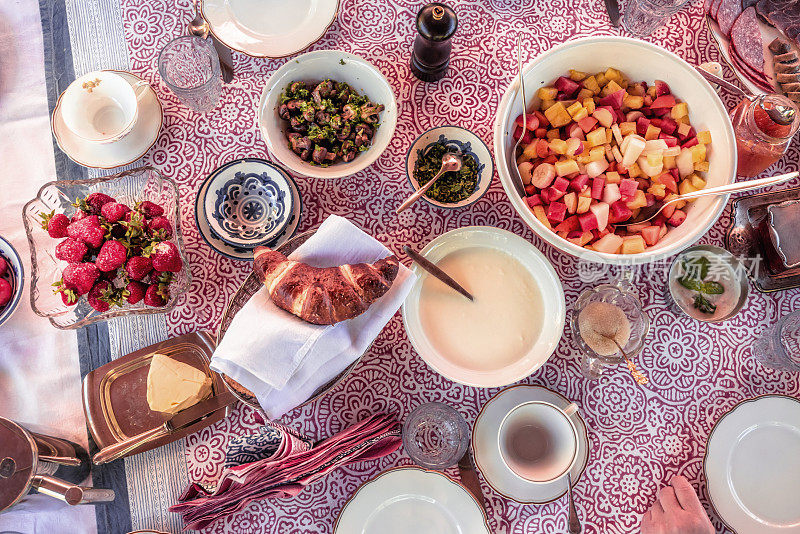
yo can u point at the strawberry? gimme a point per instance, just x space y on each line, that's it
112 256
69 297
160 228
165 257
99 296
55 224
87 230
156 296
80 277
96 201
114 211
138 267
150 209
134 292
78 215
3 266
5 292
71 250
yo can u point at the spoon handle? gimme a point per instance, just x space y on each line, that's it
736 187
418 193
431 267
722 83
574 524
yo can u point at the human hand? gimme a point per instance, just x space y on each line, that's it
677 511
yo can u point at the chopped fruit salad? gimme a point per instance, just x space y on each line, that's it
114 255
598 148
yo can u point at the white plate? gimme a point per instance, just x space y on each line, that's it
241 253
487 450
123 152
752 466
269 28
411 500
542 272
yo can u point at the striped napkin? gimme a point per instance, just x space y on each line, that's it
286 463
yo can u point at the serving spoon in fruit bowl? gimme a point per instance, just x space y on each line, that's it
649 212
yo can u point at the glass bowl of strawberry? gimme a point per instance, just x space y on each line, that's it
106 247
11 280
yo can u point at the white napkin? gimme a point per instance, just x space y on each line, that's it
283 359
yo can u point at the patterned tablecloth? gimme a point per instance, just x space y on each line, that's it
640 436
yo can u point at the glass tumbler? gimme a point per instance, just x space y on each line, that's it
435 435
779 345
643 17
189 66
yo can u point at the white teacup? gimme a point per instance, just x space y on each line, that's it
102 106
538 441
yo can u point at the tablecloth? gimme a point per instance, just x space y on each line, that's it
639 437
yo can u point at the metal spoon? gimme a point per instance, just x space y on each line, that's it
516 177
648 212
451 162
574 521
637 375
713 78
432 268
199 28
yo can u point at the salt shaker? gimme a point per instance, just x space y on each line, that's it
436 24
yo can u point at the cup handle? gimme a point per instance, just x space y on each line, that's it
140 89
571 409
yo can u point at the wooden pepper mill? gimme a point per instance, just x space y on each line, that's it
436 24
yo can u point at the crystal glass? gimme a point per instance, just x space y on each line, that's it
189 66
779 345
128 187
619 293
435 435
643 17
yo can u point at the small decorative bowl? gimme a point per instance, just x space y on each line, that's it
14 275
129 187
247 202
455 138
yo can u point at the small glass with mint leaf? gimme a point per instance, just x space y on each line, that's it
708 283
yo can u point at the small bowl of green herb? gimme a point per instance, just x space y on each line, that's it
453 189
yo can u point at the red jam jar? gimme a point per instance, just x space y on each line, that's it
764 126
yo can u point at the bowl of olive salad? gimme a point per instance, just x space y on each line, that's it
327 114
453 189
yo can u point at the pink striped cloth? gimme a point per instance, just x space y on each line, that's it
286 472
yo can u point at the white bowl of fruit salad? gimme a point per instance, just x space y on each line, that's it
613 125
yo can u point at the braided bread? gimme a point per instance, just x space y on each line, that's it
323 295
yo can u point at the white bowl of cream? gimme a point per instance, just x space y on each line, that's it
514 323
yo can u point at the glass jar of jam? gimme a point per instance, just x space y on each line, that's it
764 126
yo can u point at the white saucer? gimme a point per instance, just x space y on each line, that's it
242 253
412 500
123 152
487 450
752 466
269 28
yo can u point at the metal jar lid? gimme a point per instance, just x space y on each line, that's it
17 463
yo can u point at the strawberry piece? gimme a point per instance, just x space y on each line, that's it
55 224
138 267
134 291
5 292
80 277
112 256
98 296
69 297
77 216
150 209
71 250
160 227
165 257
155 296
3 266
114 211
677 218
87 230
93 203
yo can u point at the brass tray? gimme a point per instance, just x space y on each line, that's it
250 287
115 394
742 240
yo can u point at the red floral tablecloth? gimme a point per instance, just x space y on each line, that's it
640 437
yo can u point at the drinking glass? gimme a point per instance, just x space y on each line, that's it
189 66
779 345
642 17
435 435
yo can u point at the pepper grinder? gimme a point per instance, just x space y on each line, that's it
436 24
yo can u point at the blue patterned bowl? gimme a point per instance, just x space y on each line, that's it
248 202
14 276
456 138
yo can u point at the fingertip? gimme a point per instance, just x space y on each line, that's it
679 480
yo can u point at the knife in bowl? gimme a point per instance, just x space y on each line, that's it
612 7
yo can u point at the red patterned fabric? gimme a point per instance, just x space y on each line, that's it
639 437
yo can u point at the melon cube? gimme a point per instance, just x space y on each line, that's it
613 177
589 105
567 166
539 213
584 202
686 186
703 166
596 137
587 124
633 244
658 190
639 200
651 235
627 128
704 137
581 240
684 130
697 182
557 115
574 108
571 201
581 114
633 102
600 211
591 84
611 193
558 146
609 244
547 93
652 132
546 104
679 110
597 153
698 153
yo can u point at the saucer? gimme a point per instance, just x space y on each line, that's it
245 253
123 152
247 202
752 469
487 450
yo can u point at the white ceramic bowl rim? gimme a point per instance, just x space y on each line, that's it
702 223
19 278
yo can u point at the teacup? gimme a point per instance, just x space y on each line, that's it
538 441
101 107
